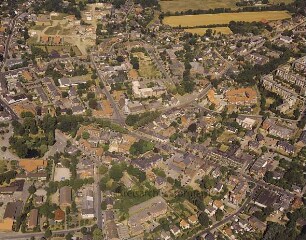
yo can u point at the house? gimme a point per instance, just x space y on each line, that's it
286 39
218 187
59 215
193 219
160 182
65 196
184 225
281 131
38 200
217 204
175 230
210 210
165 235
33 219
285 146
207 236
245 122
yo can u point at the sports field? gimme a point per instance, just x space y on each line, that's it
201 31
184 5
224 18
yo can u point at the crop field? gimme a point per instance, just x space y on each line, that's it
201 31
224 18
184 5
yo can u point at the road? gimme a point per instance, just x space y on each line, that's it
110 98
59 146
24 236
8 41
98 198
8 109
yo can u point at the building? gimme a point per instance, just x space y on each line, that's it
241 96
286 147
65 196
245 122
147 211
88 211
13 210
266 198
59 216
175 230
184 225
33 219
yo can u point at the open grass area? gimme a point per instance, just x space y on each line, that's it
53 30
62 49
224 18
146 66
184 5
201 31
60 16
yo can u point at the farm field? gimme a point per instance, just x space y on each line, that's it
184 5
224 18
201 31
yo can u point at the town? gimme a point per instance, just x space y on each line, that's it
146 119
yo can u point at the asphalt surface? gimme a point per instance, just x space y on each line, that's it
8 109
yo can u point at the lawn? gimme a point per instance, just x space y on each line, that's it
53 30
224 18
62 49
146 66
60 16
201 31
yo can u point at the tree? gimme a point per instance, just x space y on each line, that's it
116 172
32 189
68 236
141 147
84 230
65 94
85 135
92 103
48 233
219 214
204 219
97 234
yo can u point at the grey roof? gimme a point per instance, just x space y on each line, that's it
13 210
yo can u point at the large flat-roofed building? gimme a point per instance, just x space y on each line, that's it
65 197
147 210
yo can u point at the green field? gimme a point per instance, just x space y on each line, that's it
146 67
224 18
184 5
62 49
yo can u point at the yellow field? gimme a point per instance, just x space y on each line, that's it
184 5
201 31
224 18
